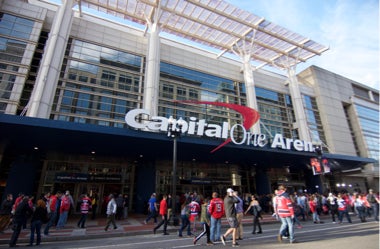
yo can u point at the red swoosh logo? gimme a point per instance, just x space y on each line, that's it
250 116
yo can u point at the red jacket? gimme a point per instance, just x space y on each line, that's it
65 204
53 203
163 207
85 205
284 207
216 208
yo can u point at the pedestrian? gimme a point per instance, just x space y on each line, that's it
169 201
85 207
302 203
164 215
205 222
284 210
6 212
230 211
239 215
333 206
297 211
39 217
21 214
371 198
152 209
126 206
64 210
195 210
94 204
255 209
343 209
361 205
53 211
119 206
313 204
185 214
216 210
111 212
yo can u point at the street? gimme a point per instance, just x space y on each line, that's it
326 235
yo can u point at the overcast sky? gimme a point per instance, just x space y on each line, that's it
350 28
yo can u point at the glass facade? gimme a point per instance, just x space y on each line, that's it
14 40
369 122
314 120
276 113
98 85
179 83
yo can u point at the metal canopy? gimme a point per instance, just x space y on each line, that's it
216 24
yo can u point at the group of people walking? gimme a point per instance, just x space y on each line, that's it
199 216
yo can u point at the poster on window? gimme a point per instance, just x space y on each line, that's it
326 165
316 166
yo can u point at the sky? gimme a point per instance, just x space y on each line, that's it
350 28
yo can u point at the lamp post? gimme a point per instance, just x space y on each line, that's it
174 131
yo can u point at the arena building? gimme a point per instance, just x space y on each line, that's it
138 96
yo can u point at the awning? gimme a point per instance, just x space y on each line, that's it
21 135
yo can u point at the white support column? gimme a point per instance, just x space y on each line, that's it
250 88
42 97
152 72
301 121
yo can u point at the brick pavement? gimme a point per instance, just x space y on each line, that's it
134 225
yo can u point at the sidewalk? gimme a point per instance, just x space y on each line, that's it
134 225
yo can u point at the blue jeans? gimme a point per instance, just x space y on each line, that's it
216 225
375 210
287 224
51 222
62 219
184 223
35 227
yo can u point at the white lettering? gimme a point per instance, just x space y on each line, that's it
141 119
278 142
244 137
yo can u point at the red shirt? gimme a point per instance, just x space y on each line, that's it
163 207
216 208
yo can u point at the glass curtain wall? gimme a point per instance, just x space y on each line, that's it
314 121
369 122
15 33
98 85
276 113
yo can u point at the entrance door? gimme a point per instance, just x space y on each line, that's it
90 189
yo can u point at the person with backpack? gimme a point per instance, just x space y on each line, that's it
255 209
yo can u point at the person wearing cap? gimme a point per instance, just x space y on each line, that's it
372 199
229 206
284 210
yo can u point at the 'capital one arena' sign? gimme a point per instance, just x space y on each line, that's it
202 128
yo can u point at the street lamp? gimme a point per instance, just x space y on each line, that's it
174 131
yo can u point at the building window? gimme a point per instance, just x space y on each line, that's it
314 120
101 85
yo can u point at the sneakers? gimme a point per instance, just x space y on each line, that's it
195 240
293 242
223 239
235 244
209 243
279 238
